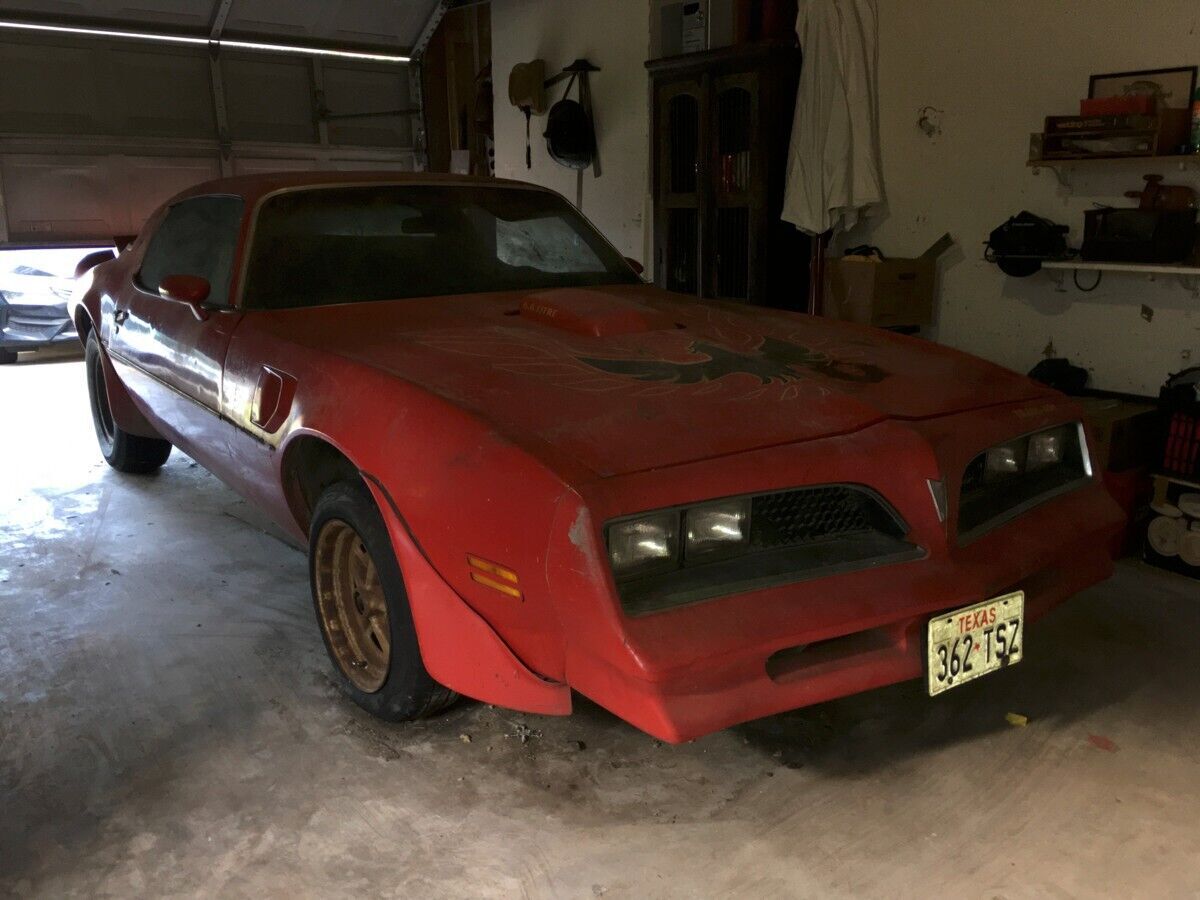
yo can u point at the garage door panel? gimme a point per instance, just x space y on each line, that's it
151 180
66 98
160 94
189 14
243 166
95 133
352 89
68 197
406 163
269 98
76 88
79 197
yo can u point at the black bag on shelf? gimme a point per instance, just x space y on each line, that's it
1021 244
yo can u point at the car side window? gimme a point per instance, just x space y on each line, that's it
197 237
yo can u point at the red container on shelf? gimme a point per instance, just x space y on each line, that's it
1125 105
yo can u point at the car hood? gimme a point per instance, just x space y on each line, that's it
629 378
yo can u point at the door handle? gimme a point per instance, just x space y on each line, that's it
120 315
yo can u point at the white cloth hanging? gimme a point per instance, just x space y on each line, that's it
833 158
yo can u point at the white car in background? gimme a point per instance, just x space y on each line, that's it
35 285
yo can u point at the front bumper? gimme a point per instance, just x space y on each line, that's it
858 631
25 327
685 672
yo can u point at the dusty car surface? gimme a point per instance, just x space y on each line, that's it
521 471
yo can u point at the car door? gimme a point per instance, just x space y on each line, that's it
172 353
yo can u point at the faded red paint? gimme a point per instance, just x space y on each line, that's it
512 425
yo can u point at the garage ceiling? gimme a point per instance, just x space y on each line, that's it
388 25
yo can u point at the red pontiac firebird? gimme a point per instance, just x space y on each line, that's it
521 471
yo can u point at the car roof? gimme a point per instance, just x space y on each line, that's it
253 187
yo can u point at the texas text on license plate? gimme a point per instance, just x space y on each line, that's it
974 641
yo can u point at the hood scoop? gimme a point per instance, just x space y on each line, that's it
592 312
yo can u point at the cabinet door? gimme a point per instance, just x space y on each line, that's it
681 188
738 188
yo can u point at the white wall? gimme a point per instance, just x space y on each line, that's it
613 35
995 69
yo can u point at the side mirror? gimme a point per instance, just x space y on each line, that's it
190 289
635 265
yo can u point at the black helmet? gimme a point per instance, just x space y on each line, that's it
570 140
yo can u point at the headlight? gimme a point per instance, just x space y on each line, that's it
671 557
1007 479
716 527
1004 460
644 545
1046 448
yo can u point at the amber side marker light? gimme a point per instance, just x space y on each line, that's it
495 576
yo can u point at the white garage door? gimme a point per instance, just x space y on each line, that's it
95 132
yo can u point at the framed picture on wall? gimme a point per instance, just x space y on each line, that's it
1172 88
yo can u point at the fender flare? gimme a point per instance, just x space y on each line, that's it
125 411
459 648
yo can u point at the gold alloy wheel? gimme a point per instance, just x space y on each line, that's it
352 606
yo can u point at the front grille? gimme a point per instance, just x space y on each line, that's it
38 315
795 535
812 514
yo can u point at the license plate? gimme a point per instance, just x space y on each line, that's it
975 641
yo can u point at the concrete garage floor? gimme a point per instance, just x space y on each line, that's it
168 726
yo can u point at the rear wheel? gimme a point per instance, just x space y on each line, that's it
362 609
7 357
123 451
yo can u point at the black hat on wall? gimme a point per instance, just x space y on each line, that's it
570 140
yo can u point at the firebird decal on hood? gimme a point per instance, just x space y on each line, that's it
774 360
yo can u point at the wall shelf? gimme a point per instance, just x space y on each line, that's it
1182 160
1189 276
1062 168
1142 268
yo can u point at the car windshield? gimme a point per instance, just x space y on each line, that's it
357 244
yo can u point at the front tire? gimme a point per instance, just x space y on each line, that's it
123 451
362 609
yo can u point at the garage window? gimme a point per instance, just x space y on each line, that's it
197 237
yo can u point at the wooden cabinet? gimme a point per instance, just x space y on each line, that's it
721 125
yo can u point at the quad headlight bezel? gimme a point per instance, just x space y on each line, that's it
732 544
1008 479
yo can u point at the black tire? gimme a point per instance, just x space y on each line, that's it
123 451
8 357
407 690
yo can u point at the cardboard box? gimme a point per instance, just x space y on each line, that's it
891 292
1125 435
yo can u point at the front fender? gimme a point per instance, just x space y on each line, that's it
125 411
459 649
